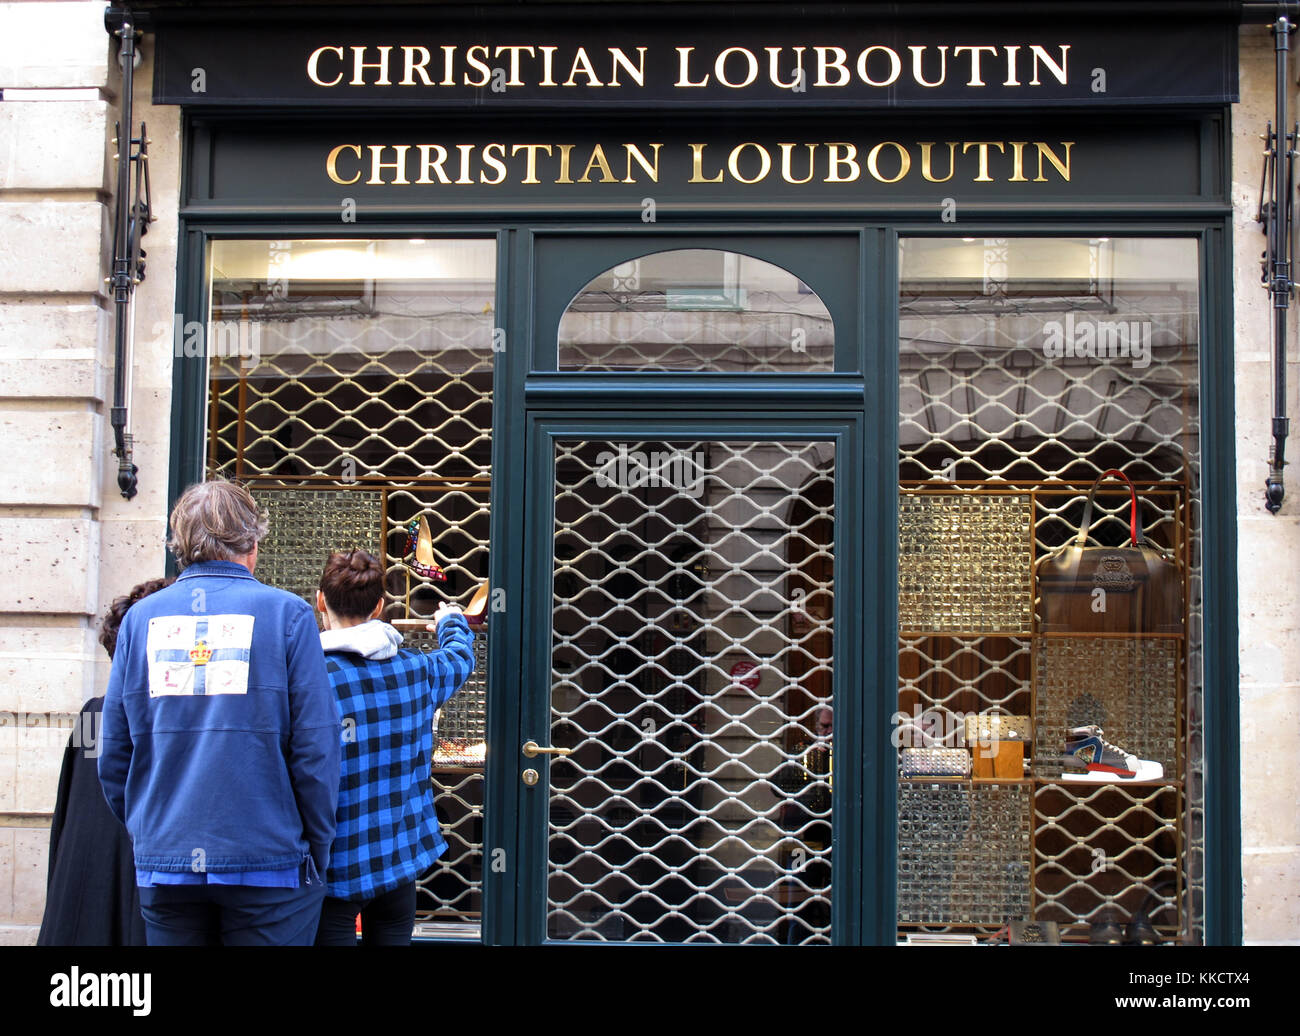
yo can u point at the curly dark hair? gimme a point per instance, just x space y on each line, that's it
353 583
112 620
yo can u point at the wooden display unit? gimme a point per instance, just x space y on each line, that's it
1089 848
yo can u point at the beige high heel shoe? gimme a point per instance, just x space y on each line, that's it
476 610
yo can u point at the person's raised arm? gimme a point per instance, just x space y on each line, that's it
451 665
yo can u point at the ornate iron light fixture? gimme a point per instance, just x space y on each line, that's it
1276 212
132 217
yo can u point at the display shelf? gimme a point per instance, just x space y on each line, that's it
1128 686
962 557
306 525
1163 782
1133 686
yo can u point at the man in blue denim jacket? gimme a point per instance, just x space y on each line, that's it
220 746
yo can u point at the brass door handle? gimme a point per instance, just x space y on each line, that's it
532 748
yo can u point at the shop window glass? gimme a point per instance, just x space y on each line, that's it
696 309
1048 730
351 389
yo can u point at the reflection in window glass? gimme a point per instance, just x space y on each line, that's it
351 388
1048 732
696 309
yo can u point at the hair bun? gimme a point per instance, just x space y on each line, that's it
353 583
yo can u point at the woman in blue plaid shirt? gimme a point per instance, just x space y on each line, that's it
387 829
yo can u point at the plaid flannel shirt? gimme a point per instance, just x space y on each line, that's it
387 829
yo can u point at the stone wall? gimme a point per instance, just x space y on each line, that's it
1268 546
72 542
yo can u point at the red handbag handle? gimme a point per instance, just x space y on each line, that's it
1134 529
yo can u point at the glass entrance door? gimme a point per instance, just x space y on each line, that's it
680 767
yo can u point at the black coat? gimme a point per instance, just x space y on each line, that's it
92 898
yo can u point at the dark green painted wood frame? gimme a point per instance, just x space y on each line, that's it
870 827
857 636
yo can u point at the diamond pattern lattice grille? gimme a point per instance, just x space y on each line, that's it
1103 850
1027 368
400 397
691 679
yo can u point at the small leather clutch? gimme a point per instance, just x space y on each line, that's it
936 762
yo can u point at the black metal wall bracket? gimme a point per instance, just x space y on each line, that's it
1276 214
132 216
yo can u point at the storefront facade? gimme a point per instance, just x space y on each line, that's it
764 372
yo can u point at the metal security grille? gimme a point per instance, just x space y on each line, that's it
416 423
691 669
359 397
1027 368
1099 852
945 678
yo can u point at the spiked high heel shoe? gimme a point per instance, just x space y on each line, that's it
419 551
418 558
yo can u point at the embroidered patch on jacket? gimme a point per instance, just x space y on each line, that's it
199 654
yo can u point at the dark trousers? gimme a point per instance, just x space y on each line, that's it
386 920
230 915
